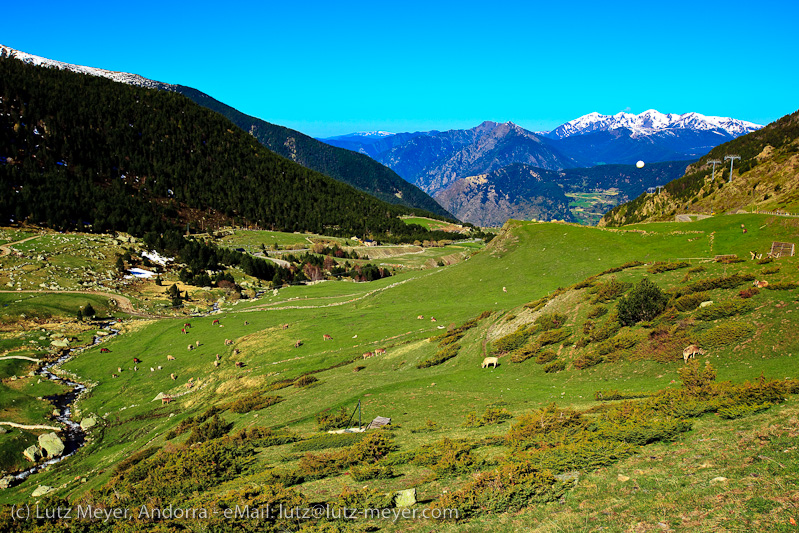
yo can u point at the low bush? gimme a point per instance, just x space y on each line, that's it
495 415
613 394
689 302
619 342
211 429
367 472
305 381
440 356
769 271
764 261
697 269
748 293
724 334
549 321
546 356
554 367
664 266
739 411
644 302
264 437
512 341
597 311
327 441
328 421
782 286
365 498
724 282
587 360
553 336
252 402
608 291
724 309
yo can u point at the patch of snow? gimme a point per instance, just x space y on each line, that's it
155 257
140 273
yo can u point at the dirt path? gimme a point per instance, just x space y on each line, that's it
5 249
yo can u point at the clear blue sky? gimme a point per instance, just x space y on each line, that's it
328 68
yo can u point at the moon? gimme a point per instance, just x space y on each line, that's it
640 164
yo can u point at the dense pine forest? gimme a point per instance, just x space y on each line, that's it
79 151
358 170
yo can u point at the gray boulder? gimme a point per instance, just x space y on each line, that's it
88 423
405 498
41 490
32 453
52 444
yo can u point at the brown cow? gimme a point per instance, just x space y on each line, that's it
189 385
298 344
166 399
170 357
327 337
191 347
119 369
197 343
433 319
173 376
114 376
216 364
236 351
136 360
367 355
217 357
380 351
104 350
239 364
285 326
420 317
215 322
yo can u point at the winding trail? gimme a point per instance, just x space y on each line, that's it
30 426
5 249
19 357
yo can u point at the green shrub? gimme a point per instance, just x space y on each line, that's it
739 411
725 333
550 321
724 282
620 342
252 402
749 292
537 304
554 367
613 394
605 331
211 429
644 302
551 419
506 489
279 384
597 311
367 472
440 356
495 415
512 341
583 342
607 291
689 302
365 498
524 353
771 270
697 269
375 446
264 437
546 356
724 309
764 260
304 381
663 266
553 336
782 286
587 360
328 421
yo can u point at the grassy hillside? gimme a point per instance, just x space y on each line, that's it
763 180
543 298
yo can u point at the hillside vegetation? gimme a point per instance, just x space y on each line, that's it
590 408
764 179
78 150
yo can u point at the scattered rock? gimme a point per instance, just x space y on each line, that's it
719 479
3 430
707 303
567 476
6 482
405 498
61 343
88 422
623 478
41 490
32 453
52 444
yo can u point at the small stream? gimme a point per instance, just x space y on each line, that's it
72 435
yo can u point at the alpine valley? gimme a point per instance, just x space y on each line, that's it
210 323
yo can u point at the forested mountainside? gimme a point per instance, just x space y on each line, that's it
79 150
358 170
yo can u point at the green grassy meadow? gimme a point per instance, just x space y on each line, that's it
525 262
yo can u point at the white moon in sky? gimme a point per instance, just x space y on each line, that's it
640 164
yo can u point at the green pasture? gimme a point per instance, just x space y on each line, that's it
48 304
428 223
251 240
522 264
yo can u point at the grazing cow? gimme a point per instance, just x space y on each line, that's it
504 289
114 376
691 351
744 230
239 364
420 317
170 357
215 322
298 344
104 350
152 369
327 337
236 351
189 385
197 343
285 326
136 360
187 325
166 399
490 361
183 331
190 347
135 368
433 319
160 367
246 323
119 369
228 342
367 355
216 364
380 351
173 376
761 284
217 357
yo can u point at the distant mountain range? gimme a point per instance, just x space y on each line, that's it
434 159
361 172
764 178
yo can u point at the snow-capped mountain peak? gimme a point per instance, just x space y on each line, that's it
652 121
122 77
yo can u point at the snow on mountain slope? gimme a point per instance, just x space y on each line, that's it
122 77
652 121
